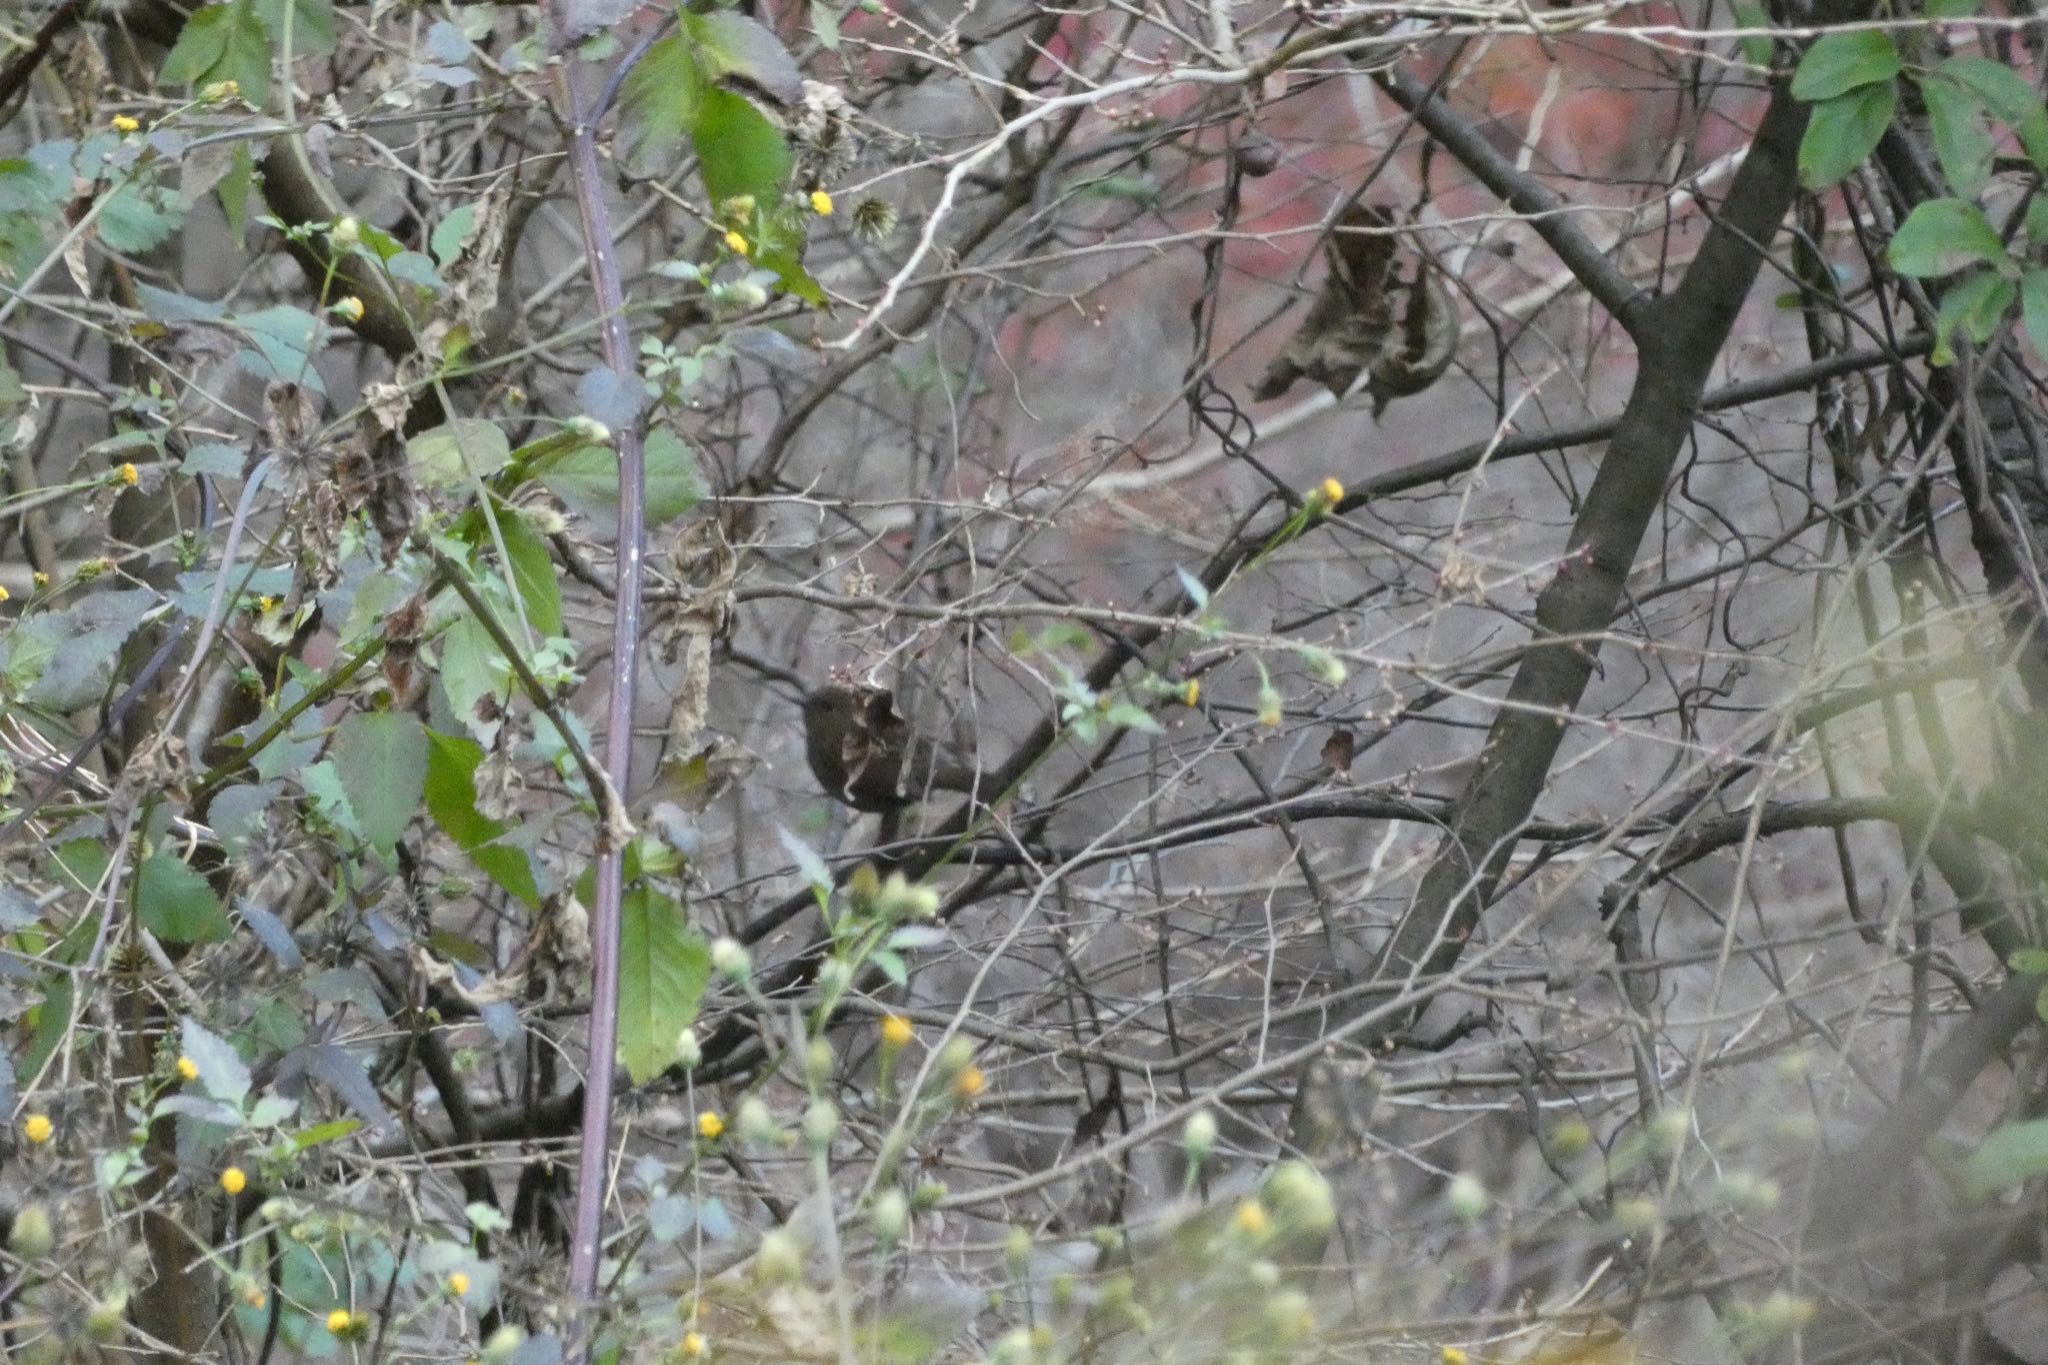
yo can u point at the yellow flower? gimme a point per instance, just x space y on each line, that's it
1453 1355
970 1082
693 1345
1191 695
188 1069
1332 491
736 243
897 1031
37 1128
266 604
821 203
234 1180
458 1284
349 309
4 594
347 1324
710 1125
1251 1217
130 475
42 580
125 124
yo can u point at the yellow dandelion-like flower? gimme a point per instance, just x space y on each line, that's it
188 1069
1251 1217
897 1031
347 1323
124 124
266 604
971 1081
458 1284
130 475
234 1180
4 594
710 1125
37 1128
1453 1355
736 243
1333 492
821 203
1191 695
349 309
694 1345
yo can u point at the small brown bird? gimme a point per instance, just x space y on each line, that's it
863 753
1369 323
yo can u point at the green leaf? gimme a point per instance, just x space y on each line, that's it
532 571
223 43
176 904
1976 304
452 762
448 455
311 24
2034 312
2029 961
1960 140
738 150
2008 1155
1756 49
790 273
140 215
222 1072
382 763
1944 235
1841 62
1952 9
1843 131
660 101
825 24
732 47
587 479
450 233
474 668
321 1133
2009 97
663 968
234 190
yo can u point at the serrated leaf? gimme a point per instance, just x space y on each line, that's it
1961 143
448 455
1841 62
176 903
309 24
222 1072
661 99
450 792
381 758
587 479
664 967
1843 131
730 46
1943 235
738 150
532 573
227 42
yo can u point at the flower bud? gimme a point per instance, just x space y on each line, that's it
730 958
890 1216
689 1052
754 1123
1466 1197
33 1234
819 1062
1198 1136
779 1259
1300 1199
821 1124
